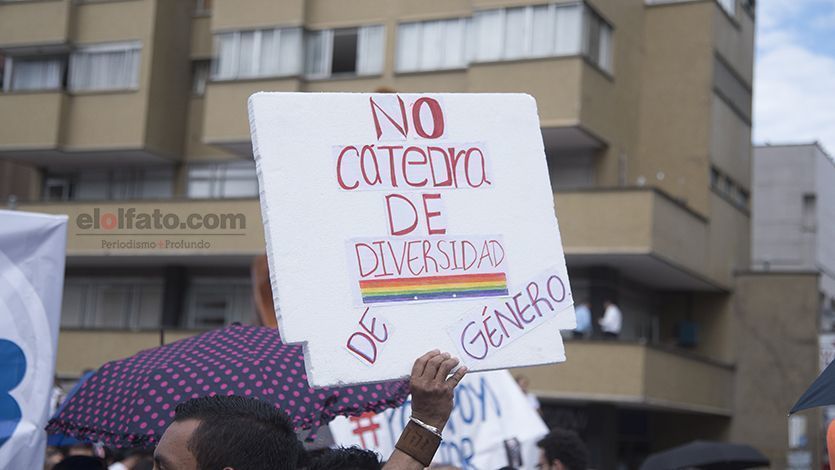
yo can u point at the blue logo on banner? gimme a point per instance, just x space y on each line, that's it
12 370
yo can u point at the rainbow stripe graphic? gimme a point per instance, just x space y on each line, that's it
435 287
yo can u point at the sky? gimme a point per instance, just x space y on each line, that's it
794 75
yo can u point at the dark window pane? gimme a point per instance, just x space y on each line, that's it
344 51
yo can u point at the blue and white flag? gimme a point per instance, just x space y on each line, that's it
32 251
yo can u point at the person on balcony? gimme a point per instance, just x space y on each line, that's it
612 320
583 315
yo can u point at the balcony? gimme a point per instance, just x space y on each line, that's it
565 124
75 354
636 375
231 14
226 119
47 128
33 23
556 83
573 115
134 114
201 230
31 121
642 232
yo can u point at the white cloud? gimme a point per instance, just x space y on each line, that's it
794 87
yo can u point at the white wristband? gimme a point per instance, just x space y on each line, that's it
429 428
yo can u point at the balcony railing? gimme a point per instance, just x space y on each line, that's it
75 353
635 374
30 121
31 23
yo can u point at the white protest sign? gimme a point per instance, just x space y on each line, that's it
491 426
401 223
32 248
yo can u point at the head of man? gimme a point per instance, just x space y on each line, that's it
562 450
81 462
523 382
347 458
227 433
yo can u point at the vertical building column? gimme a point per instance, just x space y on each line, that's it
173 296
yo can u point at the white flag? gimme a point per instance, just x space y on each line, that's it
32 250
491 426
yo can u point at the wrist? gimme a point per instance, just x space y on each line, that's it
418 443
433 429
434 422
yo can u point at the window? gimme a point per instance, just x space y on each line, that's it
235 179
729 6
348 51
729 189
749 6
741 197
597 40
432 45
527 32
112 303
731 88
570 169
345 43
260 53
808 214
214 302
202 7
199 77
103 185
58 188
105 67
33 73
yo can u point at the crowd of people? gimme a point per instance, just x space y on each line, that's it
239 433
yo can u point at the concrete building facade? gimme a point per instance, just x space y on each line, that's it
139 107
792 225
793 215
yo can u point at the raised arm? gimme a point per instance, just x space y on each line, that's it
432 401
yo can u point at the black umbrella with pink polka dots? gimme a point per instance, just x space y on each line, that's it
130 402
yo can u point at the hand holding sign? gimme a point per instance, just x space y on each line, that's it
432 387
432 402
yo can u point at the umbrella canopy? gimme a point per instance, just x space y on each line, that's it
707 455
820 393
60 439
130 402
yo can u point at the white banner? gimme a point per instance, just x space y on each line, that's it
492 425
32 250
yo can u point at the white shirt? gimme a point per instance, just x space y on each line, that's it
532 400
612 320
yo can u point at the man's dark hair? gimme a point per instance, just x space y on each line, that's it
242 433
565 446
144 464
81 462
347 458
